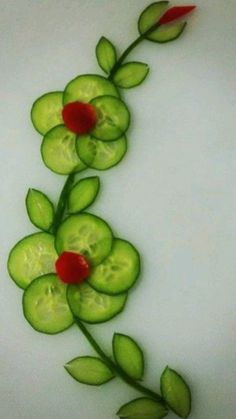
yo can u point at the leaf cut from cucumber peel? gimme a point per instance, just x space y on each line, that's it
176 392
83 194
142 408
130 75
89 370
106 54
128 355
40 209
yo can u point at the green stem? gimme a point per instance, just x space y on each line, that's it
115 368
62 203
130 48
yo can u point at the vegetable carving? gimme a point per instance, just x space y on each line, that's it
75 270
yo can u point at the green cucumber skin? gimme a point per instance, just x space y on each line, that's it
8 260
134 85
31 111
162 392
84 382
52 206
131 286
101 321
141 351
95 196
35 328
115 164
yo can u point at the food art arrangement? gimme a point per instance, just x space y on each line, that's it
74 270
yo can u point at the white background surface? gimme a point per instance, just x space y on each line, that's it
172 196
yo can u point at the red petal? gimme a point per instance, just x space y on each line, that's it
72 268
174 13
79 117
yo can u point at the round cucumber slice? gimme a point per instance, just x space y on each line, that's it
92 306
59 151
101 155
46 112
45 305
31 257
113 118
85 234
86 87
119 271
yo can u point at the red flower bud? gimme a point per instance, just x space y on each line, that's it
174 13
72 268
79 117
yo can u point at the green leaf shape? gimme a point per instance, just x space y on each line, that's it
89 370
176 392
163 33
101 155
40 209
131 74
31 257
83 194
45 305
46 112
143 408
128 355
59 153
106 54
113 118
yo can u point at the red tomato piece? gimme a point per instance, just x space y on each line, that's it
79 117
72 268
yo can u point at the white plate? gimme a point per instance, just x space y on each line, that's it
172 197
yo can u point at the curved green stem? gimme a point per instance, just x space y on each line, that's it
115 368
130 48
62 203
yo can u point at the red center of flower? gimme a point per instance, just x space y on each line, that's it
72 268
79 117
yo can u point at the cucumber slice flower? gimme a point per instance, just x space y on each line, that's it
90 104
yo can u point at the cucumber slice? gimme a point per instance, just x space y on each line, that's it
92 306
119 271
85 234
31 257
101 155
130 75
176 392
40 209
113 118
128 355
46 112
83 194
86 87
45 305
59 151
162 34
106 54
142 408
89 370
